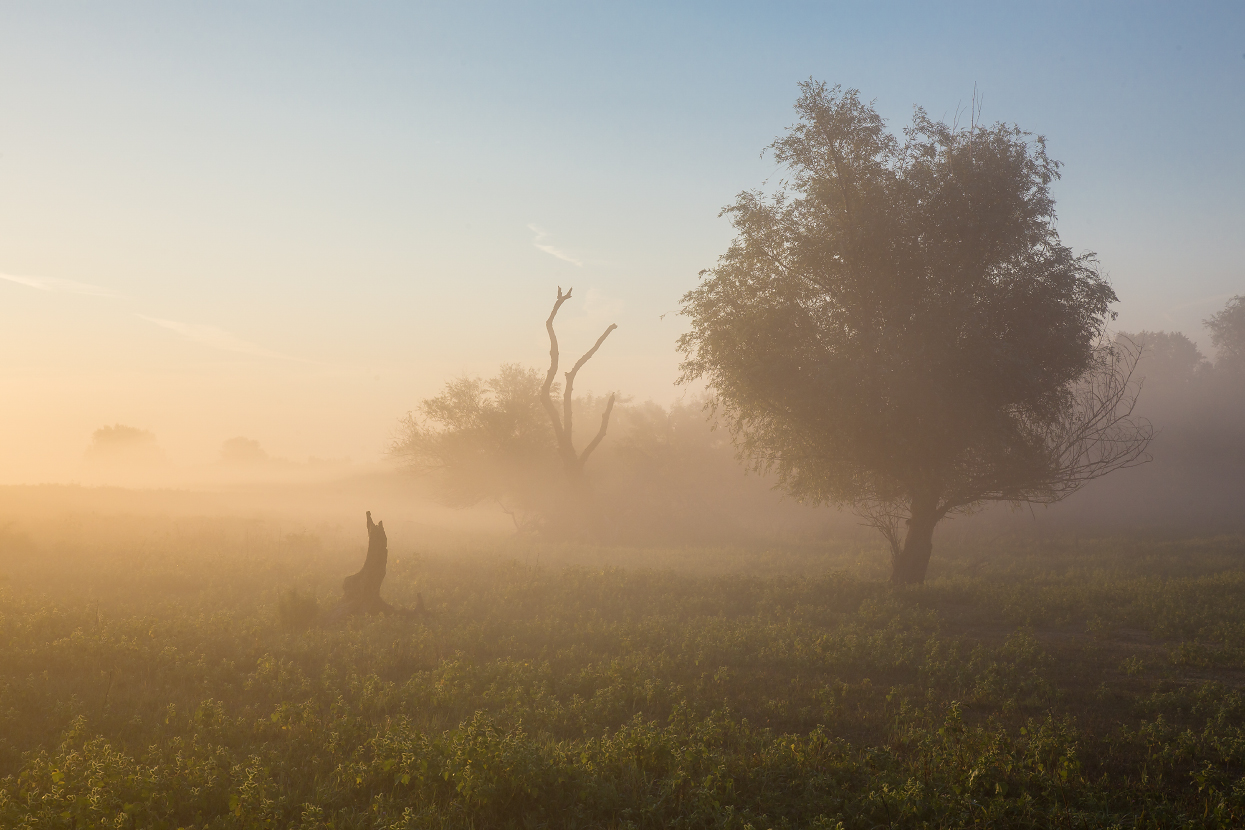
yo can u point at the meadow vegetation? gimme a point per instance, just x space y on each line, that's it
180 678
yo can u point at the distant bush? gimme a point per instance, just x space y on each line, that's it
123 445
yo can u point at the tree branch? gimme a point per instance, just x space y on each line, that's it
885 517
545 398
563 426
570 377
605 422
1096 436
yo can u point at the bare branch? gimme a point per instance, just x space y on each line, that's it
1096 435
545 398
563 427
570 377
886 517
605 422
514 517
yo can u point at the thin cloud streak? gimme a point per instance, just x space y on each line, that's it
1201 301
549 249
215 338
60 286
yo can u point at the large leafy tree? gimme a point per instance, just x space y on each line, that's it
899 328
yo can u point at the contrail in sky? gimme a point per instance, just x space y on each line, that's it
549 249
59 285
215 338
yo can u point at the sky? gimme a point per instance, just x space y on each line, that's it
293 221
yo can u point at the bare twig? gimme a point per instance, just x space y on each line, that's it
1096 434
513 516
886 517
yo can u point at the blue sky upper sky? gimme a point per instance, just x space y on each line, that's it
292 221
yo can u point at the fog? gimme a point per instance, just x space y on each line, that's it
640 415
1194 482
663 474
236 251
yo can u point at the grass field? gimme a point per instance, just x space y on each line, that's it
177 679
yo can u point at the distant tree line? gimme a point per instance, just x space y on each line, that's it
1197 479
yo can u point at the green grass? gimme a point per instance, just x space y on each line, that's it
179 681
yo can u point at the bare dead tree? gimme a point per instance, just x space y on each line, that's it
573 462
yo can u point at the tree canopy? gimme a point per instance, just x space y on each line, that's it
1227 333
486 439
899 327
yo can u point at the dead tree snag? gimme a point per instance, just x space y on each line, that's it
572 461
362 590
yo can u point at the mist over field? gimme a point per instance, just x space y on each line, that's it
670 474
638 416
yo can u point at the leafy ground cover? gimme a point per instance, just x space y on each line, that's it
180 680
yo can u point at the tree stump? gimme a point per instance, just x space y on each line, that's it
361 591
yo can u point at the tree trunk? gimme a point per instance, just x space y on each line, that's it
362 590
563 427
909 565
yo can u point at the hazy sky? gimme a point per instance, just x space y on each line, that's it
292 221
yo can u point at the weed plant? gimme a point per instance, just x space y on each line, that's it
185 682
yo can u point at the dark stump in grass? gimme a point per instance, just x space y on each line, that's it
362 590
